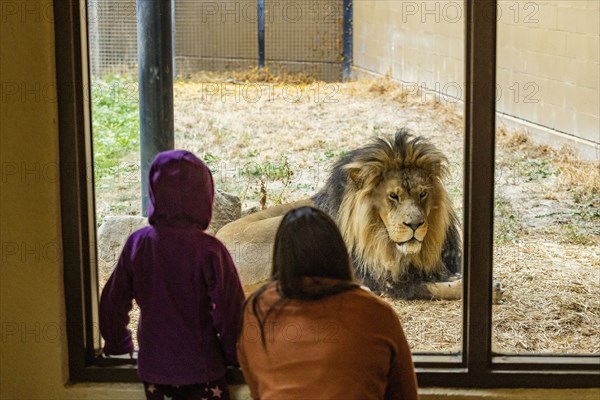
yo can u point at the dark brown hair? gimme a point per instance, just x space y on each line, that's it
308 244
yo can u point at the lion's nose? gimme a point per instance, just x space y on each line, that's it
414 225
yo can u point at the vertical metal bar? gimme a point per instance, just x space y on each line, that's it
155 72
480 112
347 40
261 33
174 37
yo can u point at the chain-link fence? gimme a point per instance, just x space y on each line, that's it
302 36
112 36
215 35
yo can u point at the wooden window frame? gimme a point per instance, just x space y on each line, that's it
476 367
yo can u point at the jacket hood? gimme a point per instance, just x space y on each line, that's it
181 190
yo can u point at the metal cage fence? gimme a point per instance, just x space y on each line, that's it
112 33
286 36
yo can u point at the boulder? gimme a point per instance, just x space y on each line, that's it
115 230
226 208
112 235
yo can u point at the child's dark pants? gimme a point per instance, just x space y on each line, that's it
215 390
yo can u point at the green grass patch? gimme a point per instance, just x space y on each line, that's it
115 121
506 223
269 170
573 234
538 169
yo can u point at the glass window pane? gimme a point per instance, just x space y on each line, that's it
547 219
112 33
420 47
272 136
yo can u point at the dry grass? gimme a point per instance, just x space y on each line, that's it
547 221
264 75
581 178
431 326
553 305
253 75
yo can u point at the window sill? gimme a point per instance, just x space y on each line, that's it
508 394
127 391
104 391
133 391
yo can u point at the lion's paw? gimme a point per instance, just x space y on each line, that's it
445 290
452 290
497 293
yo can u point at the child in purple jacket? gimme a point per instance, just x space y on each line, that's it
185 284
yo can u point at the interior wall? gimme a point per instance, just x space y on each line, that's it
548 61
33 347
33 350
31 276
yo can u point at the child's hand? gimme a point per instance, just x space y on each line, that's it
104 355
108 359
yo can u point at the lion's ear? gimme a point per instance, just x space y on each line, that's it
354 173
358 173
438 169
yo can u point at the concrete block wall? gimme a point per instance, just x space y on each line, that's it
401 38
549 52
548 62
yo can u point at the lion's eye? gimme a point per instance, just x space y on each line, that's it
393 196
423 195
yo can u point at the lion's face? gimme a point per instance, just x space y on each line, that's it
403 203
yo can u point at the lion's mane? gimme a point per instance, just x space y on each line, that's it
346 196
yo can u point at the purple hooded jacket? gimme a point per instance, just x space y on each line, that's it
183 280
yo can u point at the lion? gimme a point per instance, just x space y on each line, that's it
394 213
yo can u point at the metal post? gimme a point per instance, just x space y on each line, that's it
347 58
261 33
173 37
155 73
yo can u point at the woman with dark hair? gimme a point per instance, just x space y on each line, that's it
313 332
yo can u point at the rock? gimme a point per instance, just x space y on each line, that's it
115 230
226 208
250 210
112 235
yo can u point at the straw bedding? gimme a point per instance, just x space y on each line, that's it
273 139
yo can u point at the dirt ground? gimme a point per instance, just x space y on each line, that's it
272 141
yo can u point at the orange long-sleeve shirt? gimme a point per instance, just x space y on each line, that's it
346 346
